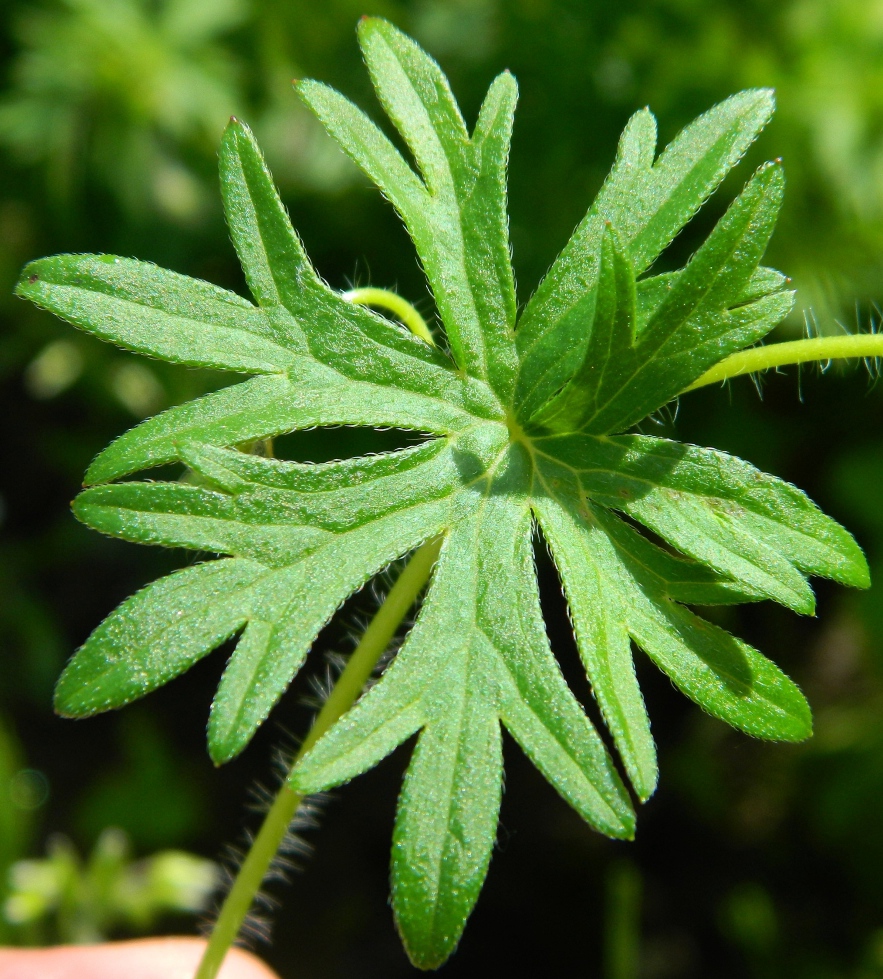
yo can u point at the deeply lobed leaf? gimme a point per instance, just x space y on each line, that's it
701 316
156 312
478 655
456 214
649 203
289 529
518 426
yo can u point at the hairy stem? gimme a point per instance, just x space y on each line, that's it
345 692
754 359
343 695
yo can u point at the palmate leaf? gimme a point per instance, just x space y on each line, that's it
520 428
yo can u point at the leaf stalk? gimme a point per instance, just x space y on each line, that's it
399 307
851 347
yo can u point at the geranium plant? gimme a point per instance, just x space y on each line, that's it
529 423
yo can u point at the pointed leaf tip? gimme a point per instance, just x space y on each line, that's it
27 278
367 22
235 125
65 702
767 95
861 576
221 752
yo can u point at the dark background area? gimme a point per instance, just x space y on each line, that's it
752 859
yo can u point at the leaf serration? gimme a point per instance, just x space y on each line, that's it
527 423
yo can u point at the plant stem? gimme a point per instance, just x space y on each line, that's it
396 305
343 695
854 345
622 924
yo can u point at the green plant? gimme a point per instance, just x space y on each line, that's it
75 901
521 421
112 85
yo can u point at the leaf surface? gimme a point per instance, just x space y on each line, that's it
272 513
649 203
456 213
728 678
477 656
517 434
711 506
701 317
156 312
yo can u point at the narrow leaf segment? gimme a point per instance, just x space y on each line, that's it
520 427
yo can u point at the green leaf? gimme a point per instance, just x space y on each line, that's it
727 677
273 259
477 655
611 342
648 203
456 213
267 406
268 509
350 339
599 621
155 635
670 575
716 509
701 317
156 312
724 675
517 436
297 535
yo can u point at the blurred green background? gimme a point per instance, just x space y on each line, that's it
752 859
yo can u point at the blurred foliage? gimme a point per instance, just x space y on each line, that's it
62 899
122 90
753 860
21 791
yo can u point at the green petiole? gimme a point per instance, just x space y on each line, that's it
400 308
853 346
344 694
